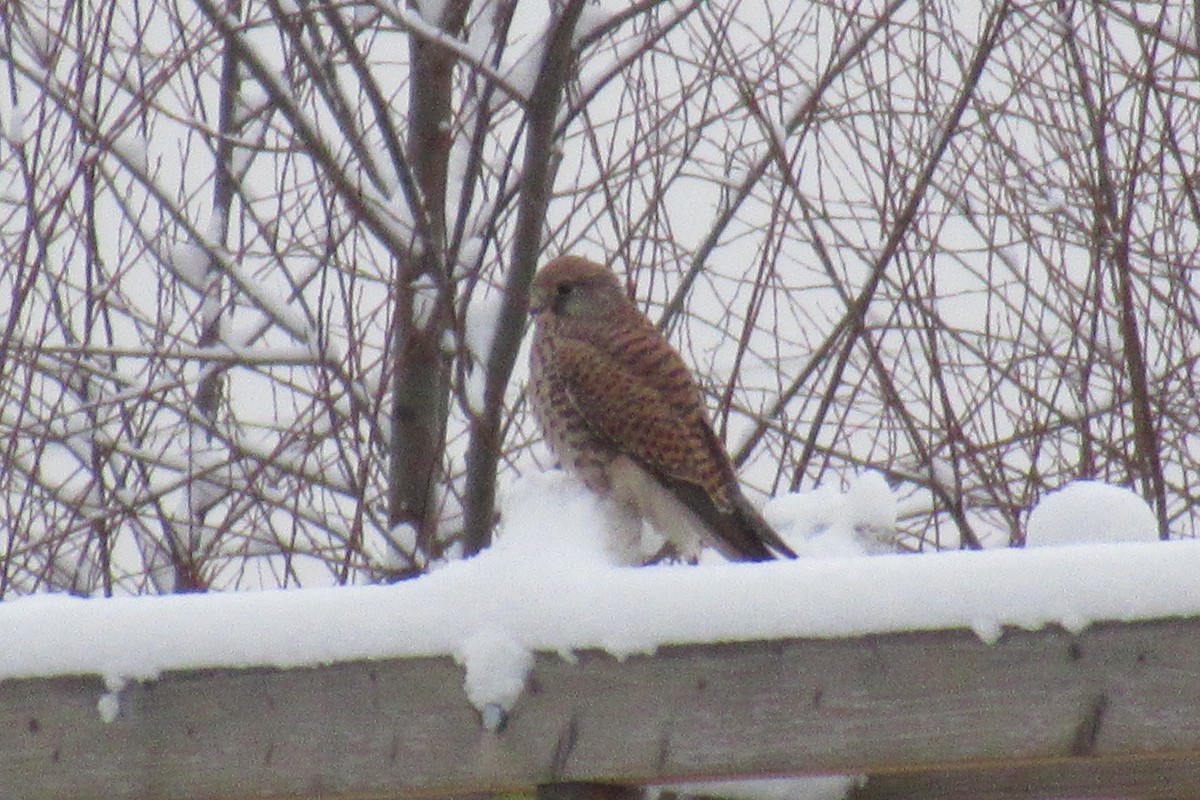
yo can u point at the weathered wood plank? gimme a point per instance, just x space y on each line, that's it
937 714
1168 778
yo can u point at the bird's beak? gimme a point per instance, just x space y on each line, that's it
538 300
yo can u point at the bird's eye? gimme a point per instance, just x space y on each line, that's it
564 289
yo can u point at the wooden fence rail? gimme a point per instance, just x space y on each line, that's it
1112 711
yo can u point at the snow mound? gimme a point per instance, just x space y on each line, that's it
828 523
551 517
1084 512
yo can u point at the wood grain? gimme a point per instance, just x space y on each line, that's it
930 715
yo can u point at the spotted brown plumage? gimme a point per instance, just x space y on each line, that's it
621 411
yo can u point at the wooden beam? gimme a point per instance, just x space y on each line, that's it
927 715
1174 777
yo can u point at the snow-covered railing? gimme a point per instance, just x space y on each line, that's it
1062 671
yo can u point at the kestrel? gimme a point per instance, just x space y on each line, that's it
622 413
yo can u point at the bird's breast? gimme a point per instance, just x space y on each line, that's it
568 435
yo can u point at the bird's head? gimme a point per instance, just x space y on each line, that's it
572 286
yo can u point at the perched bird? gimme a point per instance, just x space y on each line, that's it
622 413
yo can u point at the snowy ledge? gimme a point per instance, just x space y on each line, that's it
1071 668
561 607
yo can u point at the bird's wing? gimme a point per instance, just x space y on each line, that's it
673 441
635 418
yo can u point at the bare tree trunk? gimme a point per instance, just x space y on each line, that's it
424 297
483 453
